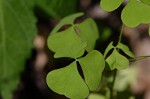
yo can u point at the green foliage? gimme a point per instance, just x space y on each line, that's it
75 40
113 58
92 65
68 82
110 5
117 61
135 12
17 31
72 43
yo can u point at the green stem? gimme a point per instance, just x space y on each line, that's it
112 85
115 71
138 58
121 32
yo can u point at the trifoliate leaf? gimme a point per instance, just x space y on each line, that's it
125 49
69 20
88 31
66 44
135 13
92 65
96 96
117 61
110 5
68 82
109 47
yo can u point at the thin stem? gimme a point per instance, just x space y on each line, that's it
115 71
112 85
121 32
138 58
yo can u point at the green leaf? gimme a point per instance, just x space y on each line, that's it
109 47
92 65
17 30
66 44
57 8
69 20
135 13
110 5
125 49
68 82
88 31
96 96
117 61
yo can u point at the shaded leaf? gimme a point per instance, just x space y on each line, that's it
96 96
17 30
109 47
117 61
88 31
68 82
110 5
125 49
66 44
92 65
135 13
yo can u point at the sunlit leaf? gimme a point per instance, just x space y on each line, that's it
68 82
96 96
125 49
69 20
66 44
92 65
110 5
117 61
109 47
88 31
135 13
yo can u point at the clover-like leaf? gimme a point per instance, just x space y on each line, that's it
117 61
92 65
66 44
110 5
69 20
125 49
88 31
68 82
135 13
109 47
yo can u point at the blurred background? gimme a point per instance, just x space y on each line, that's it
33 84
